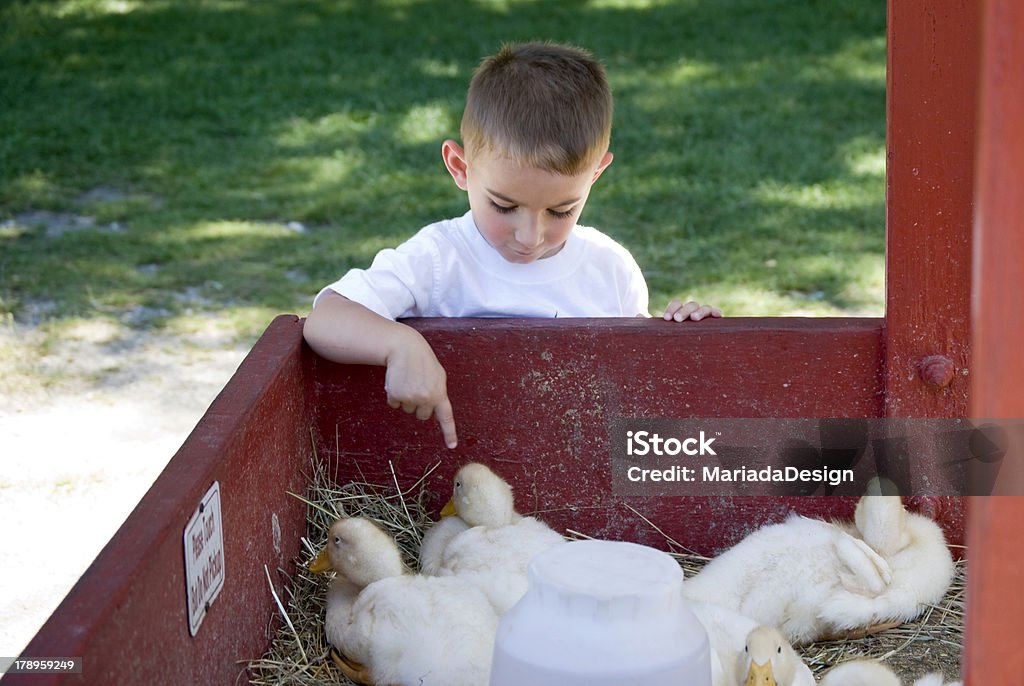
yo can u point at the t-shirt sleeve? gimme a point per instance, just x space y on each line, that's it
398 283
636 299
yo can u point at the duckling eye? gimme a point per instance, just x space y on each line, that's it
745 649
337 540
779 651
458 484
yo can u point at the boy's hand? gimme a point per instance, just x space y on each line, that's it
416 382
680 312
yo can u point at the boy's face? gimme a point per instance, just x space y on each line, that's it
524 213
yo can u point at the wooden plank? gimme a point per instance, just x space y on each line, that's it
535 399
126 617
931 80
995 602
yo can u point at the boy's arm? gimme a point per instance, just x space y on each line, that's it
344 331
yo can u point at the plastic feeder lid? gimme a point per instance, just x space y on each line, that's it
598 613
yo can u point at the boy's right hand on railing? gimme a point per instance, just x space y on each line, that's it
416 382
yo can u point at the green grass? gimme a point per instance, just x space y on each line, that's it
749 142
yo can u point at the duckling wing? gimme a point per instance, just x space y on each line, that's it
511 546
436 539
861 570
341 596
921 574
494 559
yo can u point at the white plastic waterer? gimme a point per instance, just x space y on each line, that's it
601 612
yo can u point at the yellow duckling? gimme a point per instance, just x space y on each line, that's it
392 627
493 552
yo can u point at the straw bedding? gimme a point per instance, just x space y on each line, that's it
298 654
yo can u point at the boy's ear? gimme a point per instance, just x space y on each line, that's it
602 165
455 161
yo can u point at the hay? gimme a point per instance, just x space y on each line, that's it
298 653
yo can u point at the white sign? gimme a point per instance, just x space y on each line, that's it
204 557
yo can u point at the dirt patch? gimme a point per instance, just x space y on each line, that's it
86 425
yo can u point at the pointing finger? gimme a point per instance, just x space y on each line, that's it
446 418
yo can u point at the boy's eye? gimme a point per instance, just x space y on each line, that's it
508 209
501 209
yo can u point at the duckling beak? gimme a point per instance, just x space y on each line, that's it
322 563
449 509
761 675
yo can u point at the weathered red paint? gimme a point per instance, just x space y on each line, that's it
995 602
931 81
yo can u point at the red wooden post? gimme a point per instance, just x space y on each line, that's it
995 602
932 70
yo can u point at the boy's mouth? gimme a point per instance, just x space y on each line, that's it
524 254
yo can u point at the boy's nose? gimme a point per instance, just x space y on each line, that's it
529 234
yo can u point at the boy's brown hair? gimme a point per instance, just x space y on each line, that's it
544 105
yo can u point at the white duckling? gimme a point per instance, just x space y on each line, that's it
817 580
392 627
769 660
868 672
782 575
935 679
861 673
494 552
919 561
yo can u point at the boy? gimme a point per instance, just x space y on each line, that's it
535 132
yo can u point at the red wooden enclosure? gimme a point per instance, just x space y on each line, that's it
534 398
995 599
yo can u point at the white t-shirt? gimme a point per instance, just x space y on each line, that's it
449 270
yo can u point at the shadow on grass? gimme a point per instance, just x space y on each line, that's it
238 117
